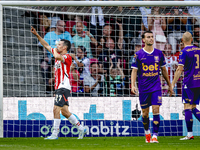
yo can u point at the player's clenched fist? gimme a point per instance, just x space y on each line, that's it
33 31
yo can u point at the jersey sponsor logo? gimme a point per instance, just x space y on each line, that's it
65 56
57 66
150 67
196 76
150 74
156 58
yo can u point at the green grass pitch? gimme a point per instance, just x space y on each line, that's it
98 143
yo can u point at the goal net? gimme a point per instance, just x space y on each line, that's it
104 40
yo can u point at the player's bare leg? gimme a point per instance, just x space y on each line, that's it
145 121
189 121
65 112
56 123
156 123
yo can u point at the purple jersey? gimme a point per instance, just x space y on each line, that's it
189 58
148 65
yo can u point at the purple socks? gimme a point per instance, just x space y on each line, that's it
196 113
188 119
156 123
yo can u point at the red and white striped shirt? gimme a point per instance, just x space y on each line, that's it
62 70
171 61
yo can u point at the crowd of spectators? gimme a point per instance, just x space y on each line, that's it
103 45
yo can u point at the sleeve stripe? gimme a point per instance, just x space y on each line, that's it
134 67
181 64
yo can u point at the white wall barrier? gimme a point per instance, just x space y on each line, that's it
91 108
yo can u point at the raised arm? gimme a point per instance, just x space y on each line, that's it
75 75
57 56
42 41
88 89
183 20
150 21
111 65
120 69
120 40
163 23
76 60
170 20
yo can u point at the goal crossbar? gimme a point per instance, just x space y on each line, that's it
100 3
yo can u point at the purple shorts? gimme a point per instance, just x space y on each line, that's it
191 95
148 99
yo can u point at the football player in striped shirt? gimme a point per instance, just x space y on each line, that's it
62 85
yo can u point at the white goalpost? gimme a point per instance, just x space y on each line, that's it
26 84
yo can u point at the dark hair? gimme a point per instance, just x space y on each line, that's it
94 63
82 48
81 18
143 35
108 25
152 10
169 44
196 26
66 43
